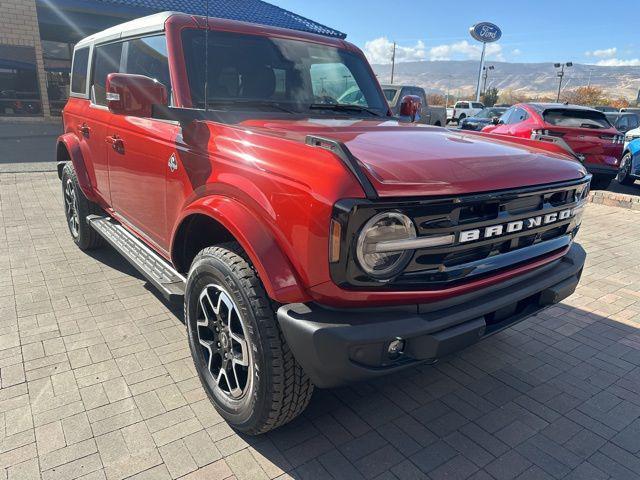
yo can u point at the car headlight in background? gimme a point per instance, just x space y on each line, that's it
630 138
377 241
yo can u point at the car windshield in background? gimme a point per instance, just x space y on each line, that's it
491 112
576 118
390 94
262 73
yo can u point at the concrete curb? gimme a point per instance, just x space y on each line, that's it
611 199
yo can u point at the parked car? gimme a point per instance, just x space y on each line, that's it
630 109
605 109
464 109
482 119
584 132
629 170
312 242
428 114
624 121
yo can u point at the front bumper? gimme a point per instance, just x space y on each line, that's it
336 347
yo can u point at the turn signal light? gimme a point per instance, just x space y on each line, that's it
335 235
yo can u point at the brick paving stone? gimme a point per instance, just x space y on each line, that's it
96 381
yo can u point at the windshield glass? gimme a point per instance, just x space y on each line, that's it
576 118
491 112
255 72
390 94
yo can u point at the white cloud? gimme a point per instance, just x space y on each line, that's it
380 51
603 53
617 62
516 51
466 50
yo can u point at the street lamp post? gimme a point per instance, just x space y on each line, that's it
486 74
561 75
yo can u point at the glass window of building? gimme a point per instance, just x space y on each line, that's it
19 89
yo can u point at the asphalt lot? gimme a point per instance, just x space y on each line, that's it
97 381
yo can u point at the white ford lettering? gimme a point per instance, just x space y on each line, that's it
516 226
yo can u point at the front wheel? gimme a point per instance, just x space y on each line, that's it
600 182
240 354
624 174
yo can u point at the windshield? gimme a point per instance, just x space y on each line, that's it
576 118
491 112
390 93
255 72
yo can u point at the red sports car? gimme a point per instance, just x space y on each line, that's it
584 132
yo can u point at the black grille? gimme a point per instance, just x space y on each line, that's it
438 267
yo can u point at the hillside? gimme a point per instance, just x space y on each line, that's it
530 78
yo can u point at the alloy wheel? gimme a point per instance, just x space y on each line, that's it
71 208
625 168
223 339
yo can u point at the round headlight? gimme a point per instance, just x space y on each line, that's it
373 249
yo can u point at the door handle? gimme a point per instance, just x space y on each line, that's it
116 143
84 129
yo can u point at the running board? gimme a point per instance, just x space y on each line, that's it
155 269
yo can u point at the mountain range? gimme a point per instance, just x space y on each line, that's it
532 79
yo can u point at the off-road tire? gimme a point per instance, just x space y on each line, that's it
624 174
280 389
86 237
600 182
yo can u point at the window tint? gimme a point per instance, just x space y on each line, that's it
477 105
107 60
506 116
518 115
576 118
462 105
79 70
148 56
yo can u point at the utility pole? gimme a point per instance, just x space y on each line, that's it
590 72
486 74
484 49
393 62
561 75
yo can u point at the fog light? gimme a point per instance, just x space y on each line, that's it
396 348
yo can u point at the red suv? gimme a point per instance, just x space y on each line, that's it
584 132
314 242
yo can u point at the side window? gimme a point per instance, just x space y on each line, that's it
106 61
518 115
477 105
504 119
633 122
463 105
148 56
79 71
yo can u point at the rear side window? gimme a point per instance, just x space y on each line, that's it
576 118
462 105
79 71
107 60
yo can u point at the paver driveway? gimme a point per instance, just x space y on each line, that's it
97 381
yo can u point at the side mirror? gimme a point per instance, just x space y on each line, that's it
495 120
410 107
134 95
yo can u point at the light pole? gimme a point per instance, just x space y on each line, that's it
486 74
561 75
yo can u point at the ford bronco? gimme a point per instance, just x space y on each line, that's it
314 242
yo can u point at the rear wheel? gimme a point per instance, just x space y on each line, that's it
600 182
240 354
77 207
461 117
624 174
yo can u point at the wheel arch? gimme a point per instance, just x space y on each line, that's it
217 220
68 149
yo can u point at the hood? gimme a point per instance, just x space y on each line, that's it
414 160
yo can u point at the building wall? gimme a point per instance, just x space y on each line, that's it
19 26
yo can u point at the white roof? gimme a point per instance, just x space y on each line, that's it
139 26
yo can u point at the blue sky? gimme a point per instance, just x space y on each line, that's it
587 31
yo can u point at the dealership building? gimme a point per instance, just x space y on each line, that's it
37 39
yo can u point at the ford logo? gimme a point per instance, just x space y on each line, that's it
486 32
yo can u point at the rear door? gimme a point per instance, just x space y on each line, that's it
143 149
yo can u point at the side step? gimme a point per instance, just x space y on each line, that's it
157 270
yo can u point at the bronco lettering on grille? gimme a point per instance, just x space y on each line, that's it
515 226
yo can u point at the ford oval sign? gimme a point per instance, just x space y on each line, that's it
486 32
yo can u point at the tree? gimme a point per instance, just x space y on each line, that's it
511 97
620 103
490 97
435 99
590 96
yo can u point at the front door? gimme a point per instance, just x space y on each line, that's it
141 150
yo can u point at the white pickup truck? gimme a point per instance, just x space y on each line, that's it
464 109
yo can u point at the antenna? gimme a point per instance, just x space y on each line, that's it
206 58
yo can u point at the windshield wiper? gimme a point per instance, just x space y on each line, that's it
251 103
343 107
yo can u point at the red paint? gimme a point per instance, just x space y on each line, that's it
135 94
598 152
270 190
